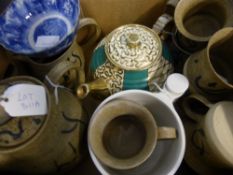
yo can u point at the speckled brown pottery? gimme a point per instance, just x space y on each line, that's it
72 55
123 134
71 61
198 20
42 144
210 70
209 135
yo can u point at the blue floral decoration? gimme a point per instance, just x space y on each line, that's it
39 27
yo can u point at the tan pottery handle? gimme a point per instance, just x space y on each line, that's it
166 133
196 107
93 28
58 71
161 24
171 6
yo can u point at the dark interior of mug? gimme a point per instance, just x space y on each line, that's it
196 106
124 137
168 154
9 71
205 19
221 58
85 34
3 5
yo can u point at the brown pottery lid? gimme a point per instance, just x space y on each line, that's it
15 131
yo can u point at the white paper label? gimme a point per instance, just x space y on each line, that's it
46 41
25 100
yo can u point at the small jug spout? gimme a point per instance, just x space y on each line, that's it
97 85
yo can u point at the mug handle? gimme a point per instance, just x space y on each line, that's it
76 73
162 24
171 6
196 107
94 31
166 133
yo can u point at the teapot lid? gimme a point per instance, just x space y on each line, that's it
15 131
133 47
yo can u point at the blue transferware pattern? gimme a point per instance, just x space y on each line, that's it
39 27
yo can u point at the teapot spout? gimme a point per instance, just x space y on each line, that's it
97 85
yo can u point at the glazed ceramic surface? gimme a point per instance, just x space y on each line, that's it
130 58
211 132
210 70
196 21
168 155
127 136
39 26
31 141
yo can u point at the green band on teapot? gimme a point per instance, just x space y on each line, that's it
166 53
135 80
117 78
98 58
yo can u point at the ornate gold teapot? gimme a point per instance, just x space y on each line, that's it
130 57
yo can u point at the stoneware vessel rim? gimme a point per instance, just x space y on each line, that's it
166 102
211 131
150 127
179 21
214 38
193 155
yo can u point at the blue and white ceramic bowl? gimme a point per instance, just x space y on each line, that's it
39 27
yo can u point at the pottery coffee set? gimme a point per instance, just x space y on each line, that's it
135 128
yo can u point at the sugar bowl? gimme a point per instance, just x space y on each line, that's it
130 57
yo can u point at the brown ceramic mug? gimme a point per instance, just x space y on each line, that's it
40 67
123 134
210 70
72 56
211 134
198 20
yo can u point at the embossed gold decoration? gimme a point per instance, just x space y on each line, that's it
130 57
159 73
133 47
112 76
